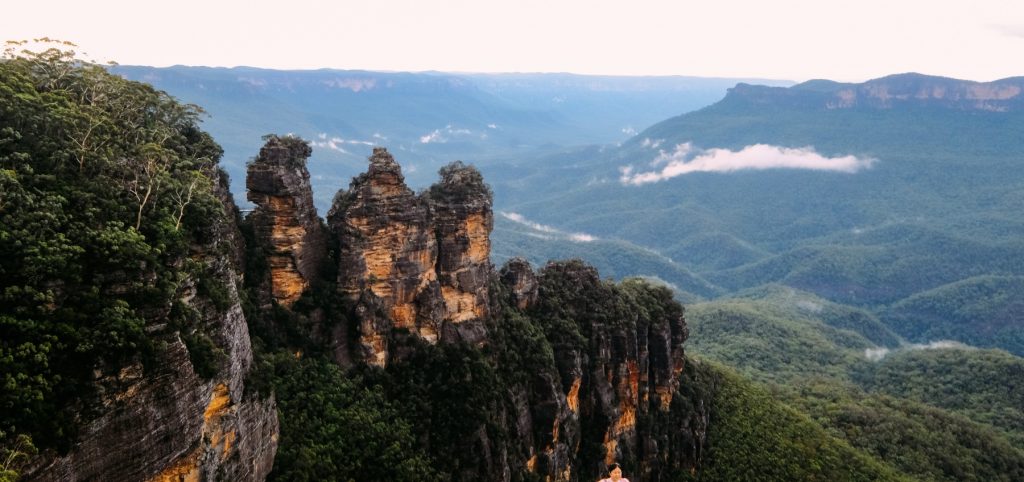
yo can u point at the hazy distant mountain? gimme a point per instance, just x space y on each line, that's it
894 91
427 119
865 194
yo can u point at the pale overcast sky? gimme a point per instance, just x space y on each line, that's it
784 39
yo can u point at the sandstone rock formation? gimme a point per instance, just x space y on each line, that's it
461 205
626 369
285 219
170 423
518 276
413 263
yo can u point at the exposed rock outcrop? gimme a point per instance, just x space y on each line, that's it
518 276
413 263
285 220
625 369
387 257
168 422
461 205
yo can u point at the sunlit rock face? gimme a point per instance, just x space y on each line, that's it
285 220
463 220
415 263
626 368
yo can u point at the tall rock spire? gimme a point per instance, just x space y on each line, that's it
463 220
285 220
413 263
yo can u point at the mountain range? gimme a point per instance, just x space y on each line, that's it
849 257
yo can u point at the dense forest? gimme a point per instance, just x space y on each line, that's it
104 184
111 197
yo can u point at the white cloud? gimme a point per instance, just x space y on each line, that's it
335 143
685 160
651 143
440 136
253 81
433 137
876 354
629 131
492 126
549 231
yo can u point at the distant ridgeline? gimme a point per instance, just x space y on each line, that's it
149 332
897 195
131 286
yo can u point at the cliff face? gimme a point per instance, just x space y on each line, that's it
521 281
166 422
414 263
909 89
285 220
461 205
613 395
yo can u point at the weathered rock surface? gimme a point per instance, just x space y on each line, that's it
463 220
519 277
387 257
168 423
285 220
625 370
413 263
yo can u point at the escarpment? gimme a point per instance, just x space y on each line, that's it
183 415
285 221
618 356
567 373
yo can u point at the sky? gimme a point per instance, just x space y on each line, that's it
784 39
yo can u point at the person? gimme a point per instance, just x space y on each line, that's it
614 474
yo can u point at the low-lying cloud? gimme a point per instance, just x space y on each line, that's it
440 136
685 159
876 354
549 231
335 143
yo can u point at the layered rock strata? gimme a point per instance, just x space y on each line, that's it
461 205
168 423
625 369
414 263
518 276
285 221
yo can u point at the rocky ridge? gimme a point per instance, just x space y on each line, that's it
285 219
416 263
908 89
416 267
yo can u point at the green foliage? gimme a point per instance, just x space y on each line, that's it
458 181
983 385
449 393
957 416
335 428
981 311
769 344
920 440
14 453
204 354
752 436
104 184
803 305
